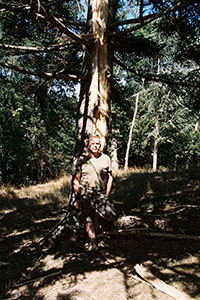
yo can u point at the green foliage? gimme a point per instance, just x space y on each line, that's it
171 105
38 115
194 148
36 140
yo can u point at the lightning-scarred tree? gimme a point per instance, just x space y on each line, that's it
55 40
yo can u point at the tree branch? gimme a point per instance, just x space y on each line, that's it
147 19
145 273
141 13
145 232
20 8
36 279
153 77
131 21
44 75
29 49
42 13
57 23
23 9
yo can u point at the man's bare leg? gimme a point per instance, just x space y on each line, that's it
96 222
91 234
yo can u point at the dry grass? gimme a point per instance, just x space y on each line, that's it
160 202
56 189
134 170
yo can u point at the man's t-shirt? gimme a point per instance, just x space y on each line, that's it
94 173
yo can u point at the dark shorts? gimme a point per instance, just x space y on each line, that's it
96 202
90 203
87 212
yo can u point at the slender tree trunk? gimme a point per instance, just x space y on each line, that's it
191 152
115 164
196 126
131 131
95 92
155 148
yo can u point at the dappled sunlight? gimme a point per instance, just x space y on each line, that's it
150 206
55 191
35 191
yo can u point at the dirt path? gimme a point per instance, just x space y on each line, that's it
159 203
96 285
73 276
101 284
107 284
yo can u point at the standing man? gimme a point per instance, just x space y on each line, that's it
92 185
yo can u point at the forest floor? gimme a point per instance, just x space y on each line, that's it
162 234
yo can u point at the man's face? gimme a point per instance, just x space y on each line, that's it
94 145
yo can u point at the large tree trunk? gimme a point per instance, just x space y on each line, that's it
95 92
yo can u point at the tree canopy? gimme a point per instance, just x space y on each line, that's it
109 48
59 33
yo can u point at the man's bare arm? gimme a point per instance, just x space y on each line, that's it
109 184
76 186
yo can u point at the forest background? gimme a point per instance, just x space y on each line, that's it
54 64
154 103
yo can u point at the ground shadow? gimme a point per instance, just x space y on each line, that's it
160 202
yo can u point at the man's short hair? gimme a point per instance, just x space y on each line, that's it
94 137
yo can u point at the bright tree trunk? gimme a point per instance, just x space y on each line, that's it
155 149
189 160
131 132
95 92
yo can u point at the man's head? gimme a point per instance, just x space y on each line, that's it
94 144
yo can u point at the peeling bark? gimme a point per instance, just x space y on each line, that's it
95 92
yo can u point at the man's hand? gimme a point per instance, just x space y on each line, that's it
76 188
109 184
76 204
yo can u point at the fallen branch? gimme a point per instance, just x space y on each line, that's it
3 263
143 231
160 285
180 209
36 279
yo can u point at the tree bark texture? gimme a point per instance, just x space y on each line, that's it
95 91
